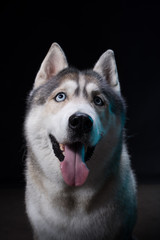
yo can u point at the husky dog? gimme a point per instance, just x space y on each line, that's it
79 183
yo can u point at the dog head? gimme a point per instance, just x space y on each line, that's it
70 111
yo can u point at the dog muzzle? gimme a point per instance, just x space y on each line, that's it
73 156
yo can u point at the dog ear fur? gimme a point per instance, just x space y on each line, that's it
106 67
53 63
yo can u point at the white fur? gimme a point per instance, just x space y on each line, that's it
104 207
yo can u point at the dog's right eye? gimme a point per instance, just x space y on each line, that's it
60 97
98 101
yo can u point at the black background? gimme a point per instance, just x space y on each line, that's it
84 30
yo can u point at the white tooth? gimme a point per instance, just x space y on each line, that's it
61 147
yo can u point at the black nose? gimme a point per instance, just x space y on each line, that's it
81 122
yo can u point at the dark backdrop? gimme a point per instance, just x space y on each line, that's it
84 31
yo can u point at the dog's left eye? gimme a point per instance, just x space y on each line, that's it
60 97
98 101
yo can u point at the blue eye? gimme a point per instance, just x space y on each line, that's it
98 101
60 97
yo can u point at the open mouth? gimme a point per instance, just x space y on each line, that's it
73 157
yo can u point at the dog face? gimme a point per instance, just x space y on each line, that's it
70 111
75 111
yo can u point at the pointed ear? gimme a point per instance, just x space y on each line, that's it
106 67
54 62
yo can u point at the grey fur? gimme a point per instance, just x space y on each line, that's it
104 207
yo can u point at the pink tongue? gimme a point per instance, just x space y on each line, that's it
73 168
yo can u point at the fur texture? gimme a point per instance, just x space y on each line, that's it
79 183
